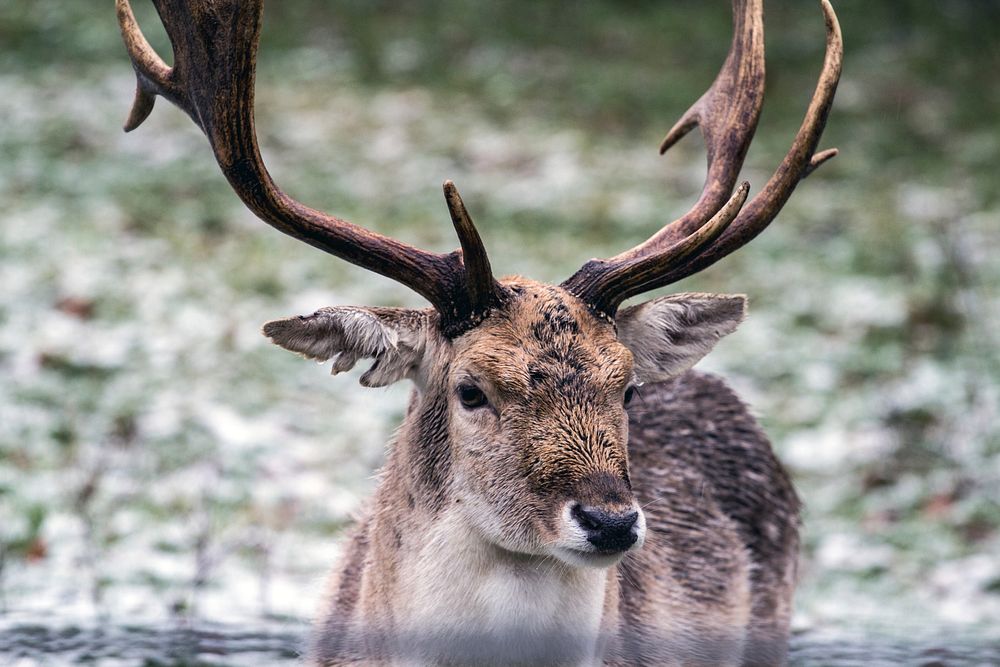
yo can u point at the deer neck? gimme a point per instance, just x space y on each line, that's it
439 577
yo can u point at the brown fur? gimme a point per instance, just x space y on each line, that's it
721 512
713 582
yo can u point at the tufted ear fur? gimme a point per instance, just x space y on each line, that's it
393 337
669 335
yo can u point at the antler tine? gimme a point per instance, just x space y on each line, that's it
215 50
647 273
153 76
800 161
482 288
727 115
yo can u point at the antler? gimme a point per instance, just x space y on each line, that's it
215 51
727 114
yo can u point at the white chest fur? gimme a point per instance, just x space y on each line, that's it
462 594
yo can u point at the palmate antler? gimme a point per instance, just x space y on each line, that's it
727 115
215 51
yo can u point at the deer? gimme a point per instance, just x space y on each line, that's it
530 509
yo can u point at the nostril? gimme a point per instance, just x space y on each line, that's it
588 517
628 521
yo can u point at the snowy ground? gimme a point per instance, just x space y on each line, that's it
160 461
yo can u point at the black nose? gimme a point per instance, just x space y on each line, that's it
608 531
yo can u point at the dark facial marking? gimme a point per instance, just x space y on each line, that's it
433 456
605 489
554 321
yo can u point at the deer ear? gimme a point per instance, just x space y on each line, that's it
669 335
393 337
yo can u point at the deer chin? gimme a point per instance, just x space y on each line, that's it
593 559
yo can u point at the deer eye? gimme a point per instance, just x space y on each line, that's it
629 395
471 396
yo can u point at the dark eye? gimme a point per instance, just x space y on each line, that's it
629 395
471 396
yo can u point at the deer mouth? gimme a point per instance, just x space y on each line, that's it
590 559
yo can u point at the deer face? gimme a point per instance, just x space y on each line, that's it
537 395
524 415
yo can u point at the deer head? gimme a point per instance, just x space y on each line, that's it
519 413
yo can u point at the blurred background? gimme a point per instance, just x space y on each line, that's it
160 462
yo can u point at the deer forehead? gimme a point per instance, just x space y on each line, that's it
544 339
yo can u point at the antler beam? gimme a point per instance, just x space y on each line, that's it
215 52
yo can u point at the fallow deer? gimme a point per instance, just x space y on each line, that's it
508 520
